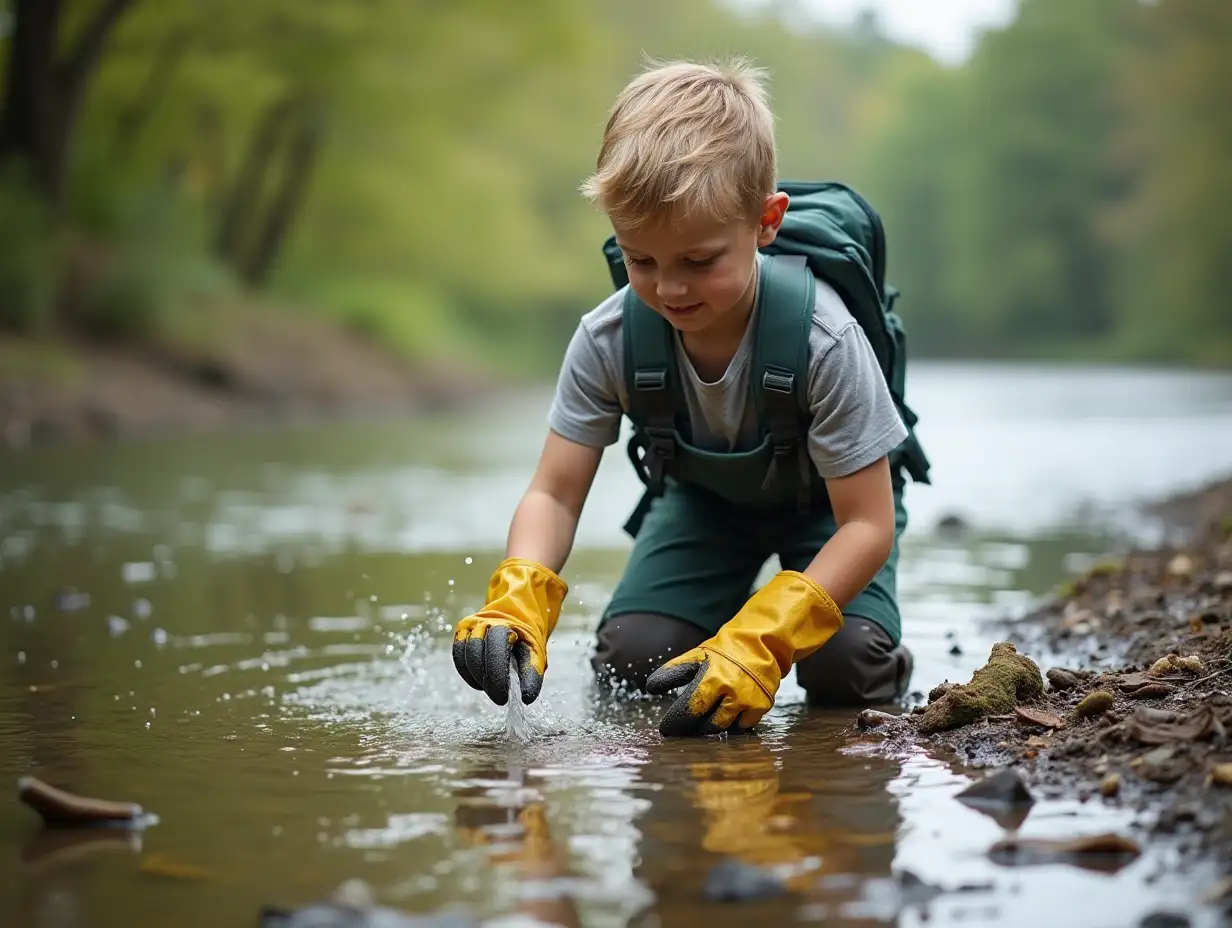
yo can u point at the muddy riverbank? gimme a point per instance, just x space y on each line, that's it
1116 690
260 368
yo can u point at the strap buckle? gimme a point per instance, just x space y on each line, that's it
778 381
648 380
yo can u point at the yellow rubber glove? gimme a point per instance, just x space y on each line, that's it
524 600
732 678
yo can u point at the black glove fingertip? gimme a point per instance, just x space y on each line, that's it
496 664
459 663
472 652
529 679
666 679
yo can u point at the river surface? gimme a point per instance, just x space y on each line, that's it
249 635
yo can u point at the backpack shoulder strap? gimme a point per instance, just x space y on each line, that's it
785 300
652 383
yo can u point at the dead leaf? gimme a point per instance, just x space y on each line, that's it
1041 717
1146 728
1151 691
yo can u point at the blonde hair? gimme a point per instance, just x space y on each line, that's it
687 138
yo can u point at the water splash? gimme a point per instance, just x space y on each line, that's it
517 725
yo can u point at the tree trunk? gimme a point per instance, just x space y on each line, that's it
279 218
240 204
43 95
134 116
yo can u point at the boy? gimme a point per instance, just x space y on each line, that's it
743 458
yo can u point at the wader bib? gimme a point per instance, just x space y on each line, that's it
708 520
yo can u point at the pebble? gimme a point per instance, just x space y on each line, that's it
1096 703
1111 785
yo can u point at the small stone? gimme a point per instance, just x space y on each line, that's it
1111 785
1221 775
1095 704
1181 566
871 718
1062 679
1164 920
1004 788
1222 581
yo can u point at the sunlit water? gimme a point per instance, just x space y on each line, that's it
249 635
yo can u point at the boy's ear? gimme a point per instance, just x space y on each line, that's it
772 213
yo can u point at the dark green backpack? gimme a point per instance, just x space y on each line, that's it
841 239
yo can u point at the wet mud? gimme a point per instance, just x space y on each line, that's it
1135 706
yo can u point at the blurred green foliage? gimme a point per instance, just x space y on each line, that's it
411 168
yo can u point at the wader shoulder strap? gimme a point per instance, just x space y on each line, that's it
786 295
652 382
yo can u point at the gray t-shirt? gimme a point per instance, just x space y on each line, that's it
854 419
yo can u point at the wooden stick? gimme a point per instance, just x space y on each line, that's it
58 807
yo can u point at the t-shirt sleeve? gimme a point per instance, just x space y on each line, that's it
586 408
855 422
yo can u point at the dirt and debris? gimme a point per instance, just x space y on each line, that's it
1137 709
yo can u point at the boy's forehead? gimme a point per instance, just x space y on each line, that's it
676 237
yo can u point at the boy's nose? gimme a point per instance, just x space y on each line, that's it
670 289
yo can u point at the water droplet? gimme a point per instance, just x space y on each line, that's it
451 581
147 724
159 637
21 657
55 665
137 664
470 560
152 710
28 613
142 608
372 598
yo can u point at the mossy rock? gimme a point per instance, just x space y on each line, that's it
1006 680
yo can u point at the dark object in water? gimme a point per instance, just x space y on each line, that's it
352 906
1002 790
1106 853
734 881
58 807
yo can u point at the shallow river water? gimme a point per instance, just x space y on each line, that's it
249 635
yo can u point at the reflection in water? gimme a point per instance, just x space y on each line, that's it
249 636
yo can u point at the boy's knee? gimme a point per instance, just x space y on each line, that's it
859 666
633 646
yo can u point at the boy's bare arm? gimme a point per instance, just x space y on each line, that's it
546 519
863 505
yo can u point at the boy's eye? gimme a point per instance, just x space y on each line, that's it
639 262
700 262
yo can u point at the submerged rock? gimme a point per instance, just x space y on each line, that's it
1006 680
734 881
1003 789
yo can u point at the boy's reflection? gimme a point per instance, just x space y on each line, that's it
805 808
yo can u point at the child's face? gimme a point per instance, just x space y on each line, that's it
697 272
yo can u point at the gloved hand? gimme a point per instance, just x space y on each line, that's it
732 677
524 600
